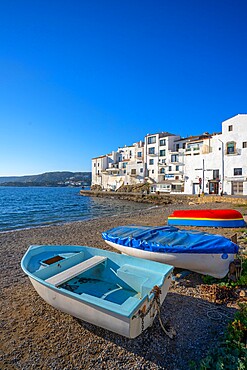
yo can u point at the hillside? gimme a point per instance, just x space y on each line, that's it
64 178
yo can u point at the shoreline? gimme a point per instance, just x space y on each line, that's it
75 221
36 336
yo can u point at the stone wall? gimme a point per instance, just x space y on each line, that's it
166 198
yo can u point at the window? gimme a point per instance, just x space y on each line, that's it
94 164
237 171
177 147
133 171
177 168
151 150
237 187
98 164
174 158
163 161
170 168
216 174
230 147
141 170
184 145
244 144
230 128
163 142
124 171
124 165
162 153
151 139
151 161
139 154
162 170
152 171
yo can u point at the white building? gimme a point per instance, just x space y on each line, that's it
234 159
217 163
124 166
162 164
202 162
208 163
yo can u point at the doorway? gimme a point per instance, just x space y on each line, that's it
237 187
213 187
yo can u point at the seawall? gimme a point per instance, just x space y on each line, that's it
166 198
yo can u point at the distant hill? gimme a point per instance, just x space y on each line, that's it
63 178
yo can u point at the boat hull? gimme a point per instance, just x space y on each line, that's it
216 265
208 218
101 287
128 327
205 253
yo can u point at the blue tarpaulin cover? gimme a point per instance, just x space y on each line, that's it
169 239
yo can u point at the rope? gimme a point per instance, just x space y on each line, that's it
170 332
213 312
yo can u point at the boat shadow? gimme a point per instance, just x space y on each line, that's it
199 326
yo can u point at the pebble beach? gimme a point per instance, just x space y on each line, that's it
34 335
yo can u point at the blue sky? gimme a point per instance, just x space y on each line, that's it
80 78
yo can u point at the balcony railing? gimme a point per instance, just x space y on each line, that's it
235 152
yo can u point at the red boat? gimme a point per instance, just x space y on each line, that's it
207 217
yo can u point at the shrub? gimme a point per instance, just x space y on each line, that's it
232 353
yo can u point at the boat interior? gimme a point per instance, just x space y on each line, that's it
99 279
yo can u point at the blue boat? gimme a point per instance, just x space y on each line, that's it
116 292
204 253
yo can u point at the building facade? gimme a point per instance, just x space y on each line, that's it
234 158
208 163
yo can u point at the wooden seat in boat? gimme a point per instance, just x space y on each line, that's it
75 270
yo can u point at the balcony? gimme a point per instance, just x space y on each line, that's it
139 158
235 152
113 165
196 149
179 172
113 169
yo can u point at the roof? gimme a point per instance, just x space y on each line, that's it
102 156
236 115
162 134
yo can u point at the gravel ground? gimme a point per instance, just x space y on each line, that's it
34 335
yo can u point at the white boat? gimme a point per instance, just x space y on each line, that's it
204 253
116 292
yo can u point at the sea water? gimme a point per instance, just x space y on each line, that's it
25 207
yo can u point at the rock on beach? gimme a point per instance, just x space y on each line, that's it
34 335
